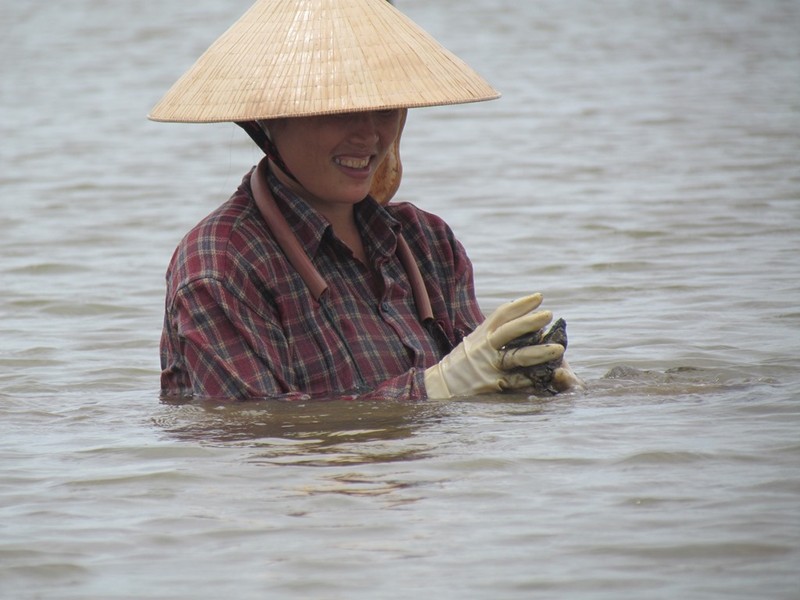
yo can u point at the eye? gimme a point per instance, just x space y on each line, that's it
338 116
387 113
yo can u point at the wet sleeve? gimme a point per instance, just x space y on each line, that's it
216 346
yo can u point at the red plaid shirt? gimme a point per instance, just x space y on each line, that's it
240 322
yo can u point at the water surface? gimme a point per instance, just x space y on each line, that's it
641 170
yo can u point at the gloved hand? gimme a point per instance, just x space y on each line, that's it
477 366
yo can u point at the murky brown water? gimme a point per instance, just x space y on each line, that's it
641 171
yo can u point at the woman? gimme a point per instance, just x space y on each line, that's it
306 283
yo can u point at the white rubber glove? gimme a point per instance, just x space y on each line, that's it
565 379
476 365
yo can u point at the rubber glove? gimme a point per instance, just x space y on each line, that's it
565 379
477 366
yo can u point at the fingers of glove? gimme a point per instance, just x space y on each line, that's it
564 379
513 310
529 356
513 381
520 326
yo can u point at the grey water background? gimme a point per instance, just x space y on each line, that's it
642 170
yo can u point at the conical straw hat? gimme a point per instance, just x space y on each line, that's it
291 58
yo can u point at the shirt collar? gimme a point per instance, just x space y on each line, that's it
308 225
379 229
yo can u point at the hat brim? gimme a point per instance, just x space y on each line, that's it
292 58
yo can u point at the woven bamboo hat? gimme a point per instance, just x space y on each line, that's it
293 58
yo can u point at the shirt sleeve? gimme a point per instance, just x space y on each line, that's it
207 349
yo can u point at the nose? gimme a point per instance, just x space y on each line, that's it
365 127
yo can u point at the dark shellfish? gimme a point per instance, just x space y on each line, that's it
541 376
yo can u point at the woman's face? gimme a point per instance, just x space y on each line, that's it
334 157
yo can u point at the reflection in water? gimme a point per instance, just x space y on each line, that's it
299 428
354 441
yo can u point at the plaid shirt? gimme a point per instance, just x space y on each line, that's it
240 322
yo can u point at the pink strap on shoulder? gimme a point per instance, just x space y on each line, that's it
284 235
421 297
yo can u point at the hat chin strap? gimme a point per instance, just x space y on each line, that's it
263 141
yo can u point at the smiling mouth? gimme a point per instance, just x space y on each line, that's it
351 162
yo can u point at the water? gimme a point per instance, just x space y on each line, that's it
641 171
